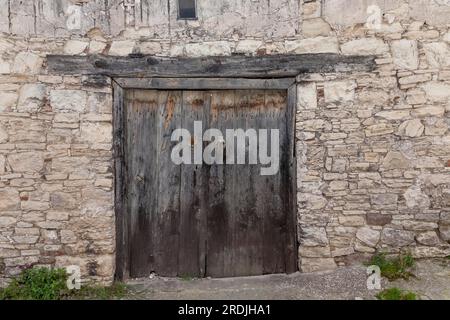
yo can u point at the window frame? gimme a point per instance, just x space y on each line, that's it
179 11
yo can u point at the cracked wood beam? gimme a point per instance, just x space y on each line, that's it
273 66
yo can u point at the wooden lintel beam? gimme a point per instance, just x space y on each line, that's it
270 66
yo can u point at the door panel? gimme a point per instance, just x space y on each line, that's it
197 219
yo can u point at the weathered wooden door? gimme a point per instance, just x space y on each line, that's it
205 220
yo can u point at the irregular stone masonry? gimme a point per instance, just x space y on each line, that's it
373 148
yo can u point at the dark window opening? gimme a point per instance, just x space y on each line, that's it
186 9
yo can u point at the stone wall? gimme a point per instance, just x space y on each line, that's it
374 148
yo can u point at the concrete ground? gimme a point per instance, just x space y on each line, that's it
432 281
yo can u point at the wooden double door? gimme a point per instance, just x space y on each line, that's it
200 220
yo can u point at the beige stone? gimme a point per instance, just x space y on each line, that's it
149 47
307 96
97 47
339 91
415 79
3 134
438 54
26 162
96 132
75 47
429 111
437 91
122 47
317 264
379 129
411 128
368 236
248 46
405 54
5 67
365 46
393 114
7 100
314 252
315 27
416 198
213 48
313 45
68 100
395 160
31 97
27 63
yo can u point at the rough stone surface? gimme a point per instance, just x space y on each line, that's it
405 54
372 147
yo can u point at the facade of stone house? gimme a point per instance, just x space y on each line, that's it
373 147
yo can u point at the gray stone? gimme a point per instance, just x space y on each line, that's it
444 232
385 200
397 238
428 238
378 219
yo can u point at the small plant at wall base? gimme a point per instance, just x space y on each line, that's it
51 284
394 268
396 294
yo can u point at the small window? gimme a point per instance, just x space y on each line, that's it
187 9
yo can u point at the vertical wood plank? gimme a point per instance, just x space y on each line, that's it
257 192
217 211
122 263
142 181
276 190
169 179
191 257
291 241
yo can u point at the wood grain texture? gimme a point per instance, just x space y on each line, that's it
270 66
201 220
204 83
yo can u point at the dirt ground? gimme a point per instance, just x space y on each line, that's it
431 281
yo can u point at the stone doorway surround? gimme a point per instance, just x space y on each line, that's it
236 72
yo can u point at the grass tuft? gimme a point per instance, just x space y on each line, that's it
396 294
394 268
51 284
